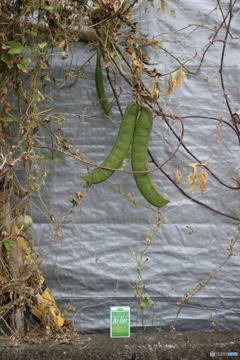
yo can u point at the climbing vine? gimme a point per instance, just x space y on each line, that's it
32 32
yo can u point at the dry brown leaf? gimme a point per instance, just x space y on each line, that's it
164 6
79 197
109 4
171 85
155 89
202 180
177 81
179 77
192 178
155 44
3 93
6 108
138 65
152 73
178 176
62 44
39 298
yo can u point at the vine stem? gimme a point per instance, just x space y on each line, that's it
190 197
225 94
195 157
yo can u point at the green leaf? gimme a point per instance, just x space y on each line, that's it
143 304
31 31
8 244
46 6
22 67
14 118
6 119
9 118
30 48
8 59
27 60
15 48
49 158
58 159
173 13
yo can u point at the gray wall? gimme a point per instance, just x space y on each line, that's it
111 228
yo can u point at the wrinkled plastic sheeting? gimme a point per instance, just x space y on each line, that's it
92 264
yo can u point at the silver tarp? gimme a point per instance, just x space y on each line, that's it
93 263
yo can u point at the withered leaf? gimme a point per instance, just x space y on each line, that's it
138 65
6 108
155 89
164 6
171 85
176 82
62 45
178 176
179 77
155 44
202 180
192 178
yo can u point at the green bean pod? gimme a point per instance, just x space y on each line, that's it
120 147
102 96
140 159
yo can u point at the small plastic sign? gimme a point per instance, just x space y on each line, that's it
119 321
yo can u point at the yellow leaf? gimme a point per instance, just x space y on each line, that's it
155 44
134 56
179 77
155 89
138 64
164 6
171 85
177 81
62 44
202 180
192 178
178 176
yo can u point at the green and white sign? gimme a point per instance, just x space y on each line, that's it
119 321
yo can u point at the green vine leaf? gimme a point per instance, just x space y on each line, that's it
22 68
31 31
30 48
46 6
27 60
6 119
15 48
7 58
8 245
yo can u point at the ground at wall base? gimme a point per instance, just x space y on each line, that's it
157 346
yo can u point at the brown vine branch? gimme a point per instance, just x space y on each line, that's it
190 197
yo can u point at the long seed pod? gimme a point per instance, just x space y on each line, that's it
120 148
102 96
140 158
